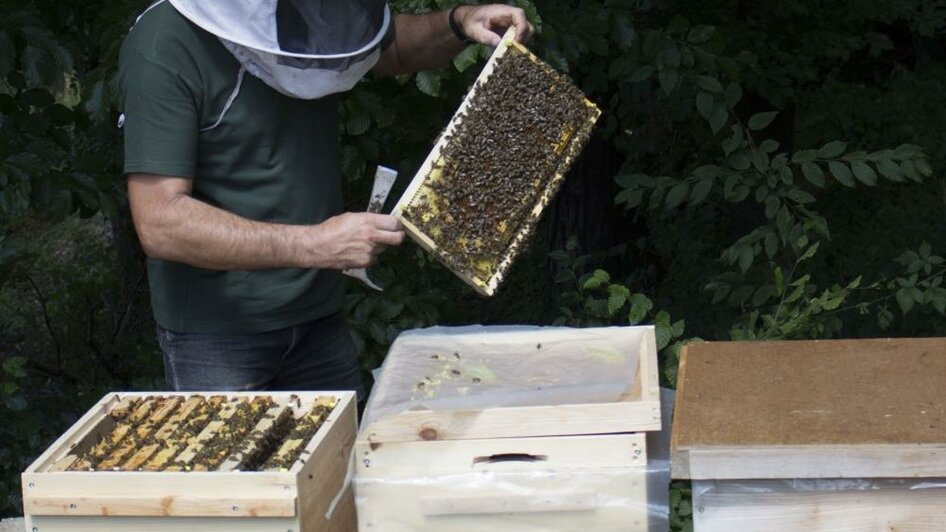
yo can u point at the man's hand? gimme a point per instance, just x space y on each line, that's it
487 24
354 240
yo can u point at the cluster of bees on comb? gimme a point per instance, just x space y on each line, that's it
522 128
200 433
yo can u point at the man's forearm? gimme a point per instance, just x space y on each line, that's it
196 233
174 226
421 42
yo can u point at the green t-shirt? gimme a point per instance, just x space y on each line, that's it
271 158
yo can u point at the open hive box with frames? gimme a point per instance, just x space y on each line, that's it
195 462
475 201
511 428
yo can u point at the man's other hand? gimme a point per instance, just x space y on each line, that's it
487 24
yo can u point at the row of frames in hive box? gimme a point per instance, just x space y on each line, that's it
525 468
307 497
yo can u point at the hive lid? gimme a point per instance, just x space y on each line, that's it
558 138
811 409
451 383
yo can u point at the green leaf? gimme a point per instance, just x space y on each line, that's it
832 149
804 156
467 58
800 196
864 173
663 335
558 255
707 171
905 300
678 24
700 34
746 257
14 367
763 294
810 252
771 244
668 78
910 171
357 124
890 170
710 84
429 82
640 306
704 104
813 174
733 94
923 167
719 118
841 172
676 195
761 120
671 56
602 276
615 302
642 73
701 190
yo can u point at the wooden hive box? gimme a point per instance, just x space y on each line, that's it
540 183
549 467
813 435
297 498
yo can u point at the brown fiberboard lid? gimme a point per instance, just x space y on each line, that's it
811 409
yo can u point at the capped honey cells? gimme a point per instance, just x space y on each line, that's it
499 166
199 433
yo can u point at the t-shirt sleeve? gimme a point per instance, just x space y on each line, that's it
160 118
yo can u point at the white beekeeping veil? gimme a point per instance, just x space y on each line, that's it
302 48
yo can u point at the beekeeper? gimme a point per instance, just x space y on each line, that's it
230 117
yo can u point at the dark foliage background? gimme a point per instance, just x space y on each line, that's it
762 170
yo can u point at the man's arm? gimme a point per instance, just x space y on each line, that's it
174 226
422 42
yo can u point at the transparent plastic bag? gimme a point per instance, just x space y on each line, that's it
475 367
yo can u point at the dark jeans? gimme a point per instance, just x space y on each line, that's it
317 355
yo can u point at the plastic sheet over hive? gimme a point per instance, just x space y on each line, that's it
475 367
475 201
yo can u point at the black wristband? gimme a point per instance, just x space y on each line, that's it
455 28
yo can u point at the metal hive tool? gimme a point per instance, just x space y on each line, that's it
476 199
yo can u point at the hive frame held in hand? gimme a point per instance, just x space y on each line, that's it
489 286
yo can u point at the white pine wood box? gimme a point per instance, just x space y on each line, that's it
572 467
136 501
838 435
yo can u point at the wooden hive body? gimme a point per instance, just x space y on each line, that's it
546 467
297 499
813 435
